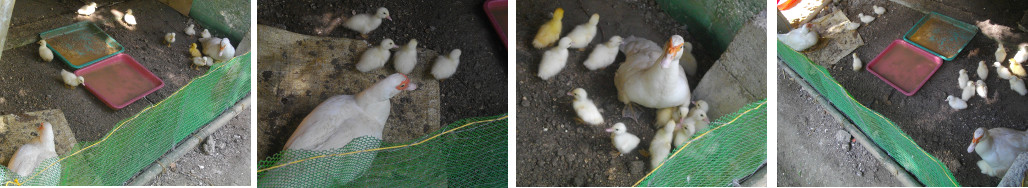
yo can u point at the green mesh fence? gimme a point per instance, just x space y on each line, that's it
223 17
733 148
882 131
136 142
467 153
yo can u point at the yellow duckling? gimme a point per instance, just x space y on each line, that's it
1017 69
550 31
193 51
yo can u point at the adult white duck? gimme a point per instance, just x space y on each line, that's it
29 156
651 76
998 148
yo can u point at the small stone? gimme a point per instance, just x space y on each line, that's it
210 146
842 136
637 167
201 166
860 173
579 181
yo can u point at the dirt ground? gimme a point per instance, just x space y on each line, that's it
809 152
223 159
926 117
554 150
477 89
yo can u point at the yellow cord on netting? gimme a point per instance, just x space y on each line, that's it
385 148
15 181
118 127
698 137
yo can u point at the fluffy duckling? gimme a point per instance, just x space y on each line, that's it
998 148
968 90
983 70
169 38
983 91
583 34
27 158
850 26
867 19
365 23
445 66
1022 53
1001 53
205 34
1017 85
202 61
190 31
660 147
586 110
70 79
962 79
878 10
625 142
406 57
684 132
856 62
88 9
800 39
129 18
956 103
45 52
549 32
1002 71
554 59
375 57
1017 69
603 54
668 114
193 51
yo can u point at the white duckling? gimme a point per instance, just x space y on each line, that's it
45 53
651 76
799 39
1017 85
29 156
956 103
603 54
850 26
583 34
1001 53
983 70
169 38
376 57
983 91
220 49
406 57
88 9
129 18
968 90
202 61
365 23
684 132
670 114
660 147
624 142
554 59
70 79
998 148
867 19
1001 71
205 34
585 108
878 10
445 66
1022 53
190 31
857 64
962 79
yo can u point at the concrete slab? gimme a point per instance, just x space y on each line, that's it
835 43
18 129
739 76
1016 174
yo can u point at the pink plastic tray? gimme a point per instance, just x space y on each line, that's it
904 66
120 80
497 11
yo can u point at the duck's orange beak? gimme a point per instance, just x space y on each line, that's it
669 53
40 127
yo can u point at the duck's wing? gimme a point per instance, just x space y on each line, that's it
640 52
319 125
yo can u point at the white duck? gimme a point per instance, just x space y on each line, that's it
205 34
660 147
218 48
70 79
45 52
554 59
583 34
29 156
624 142
799 39
998 148
190 31
88 9
603 54
445 66
129 18
375 57
365 23
406 57
650 76
585 108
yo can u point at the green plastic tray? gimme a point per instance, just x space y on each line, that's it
941 35
81 44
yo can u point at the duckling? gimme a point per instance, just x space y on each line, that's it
668 114
603 54
956 103
968 90
878 10
406 57
850 26
623 141
205 34
867 19
856 62
962 79
684 133
190 31
983 70
1017 69
375 57
45 52
586 110
554 59
1017 85
88 9
193 51
983 91
201 61
660 147
549 32
583 34
364 23
1002 71
169 38
129 18
1022 53
445 66
1001 53
70 79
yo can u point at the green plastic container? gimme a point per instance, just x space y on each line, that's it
81 44
941 35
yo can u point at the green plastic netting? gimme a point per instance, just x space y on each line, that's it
713 22
733 148
135 143
467 153
223 17
882 131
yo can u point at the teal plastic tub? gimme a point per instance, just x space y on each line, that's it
81 44
941 35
